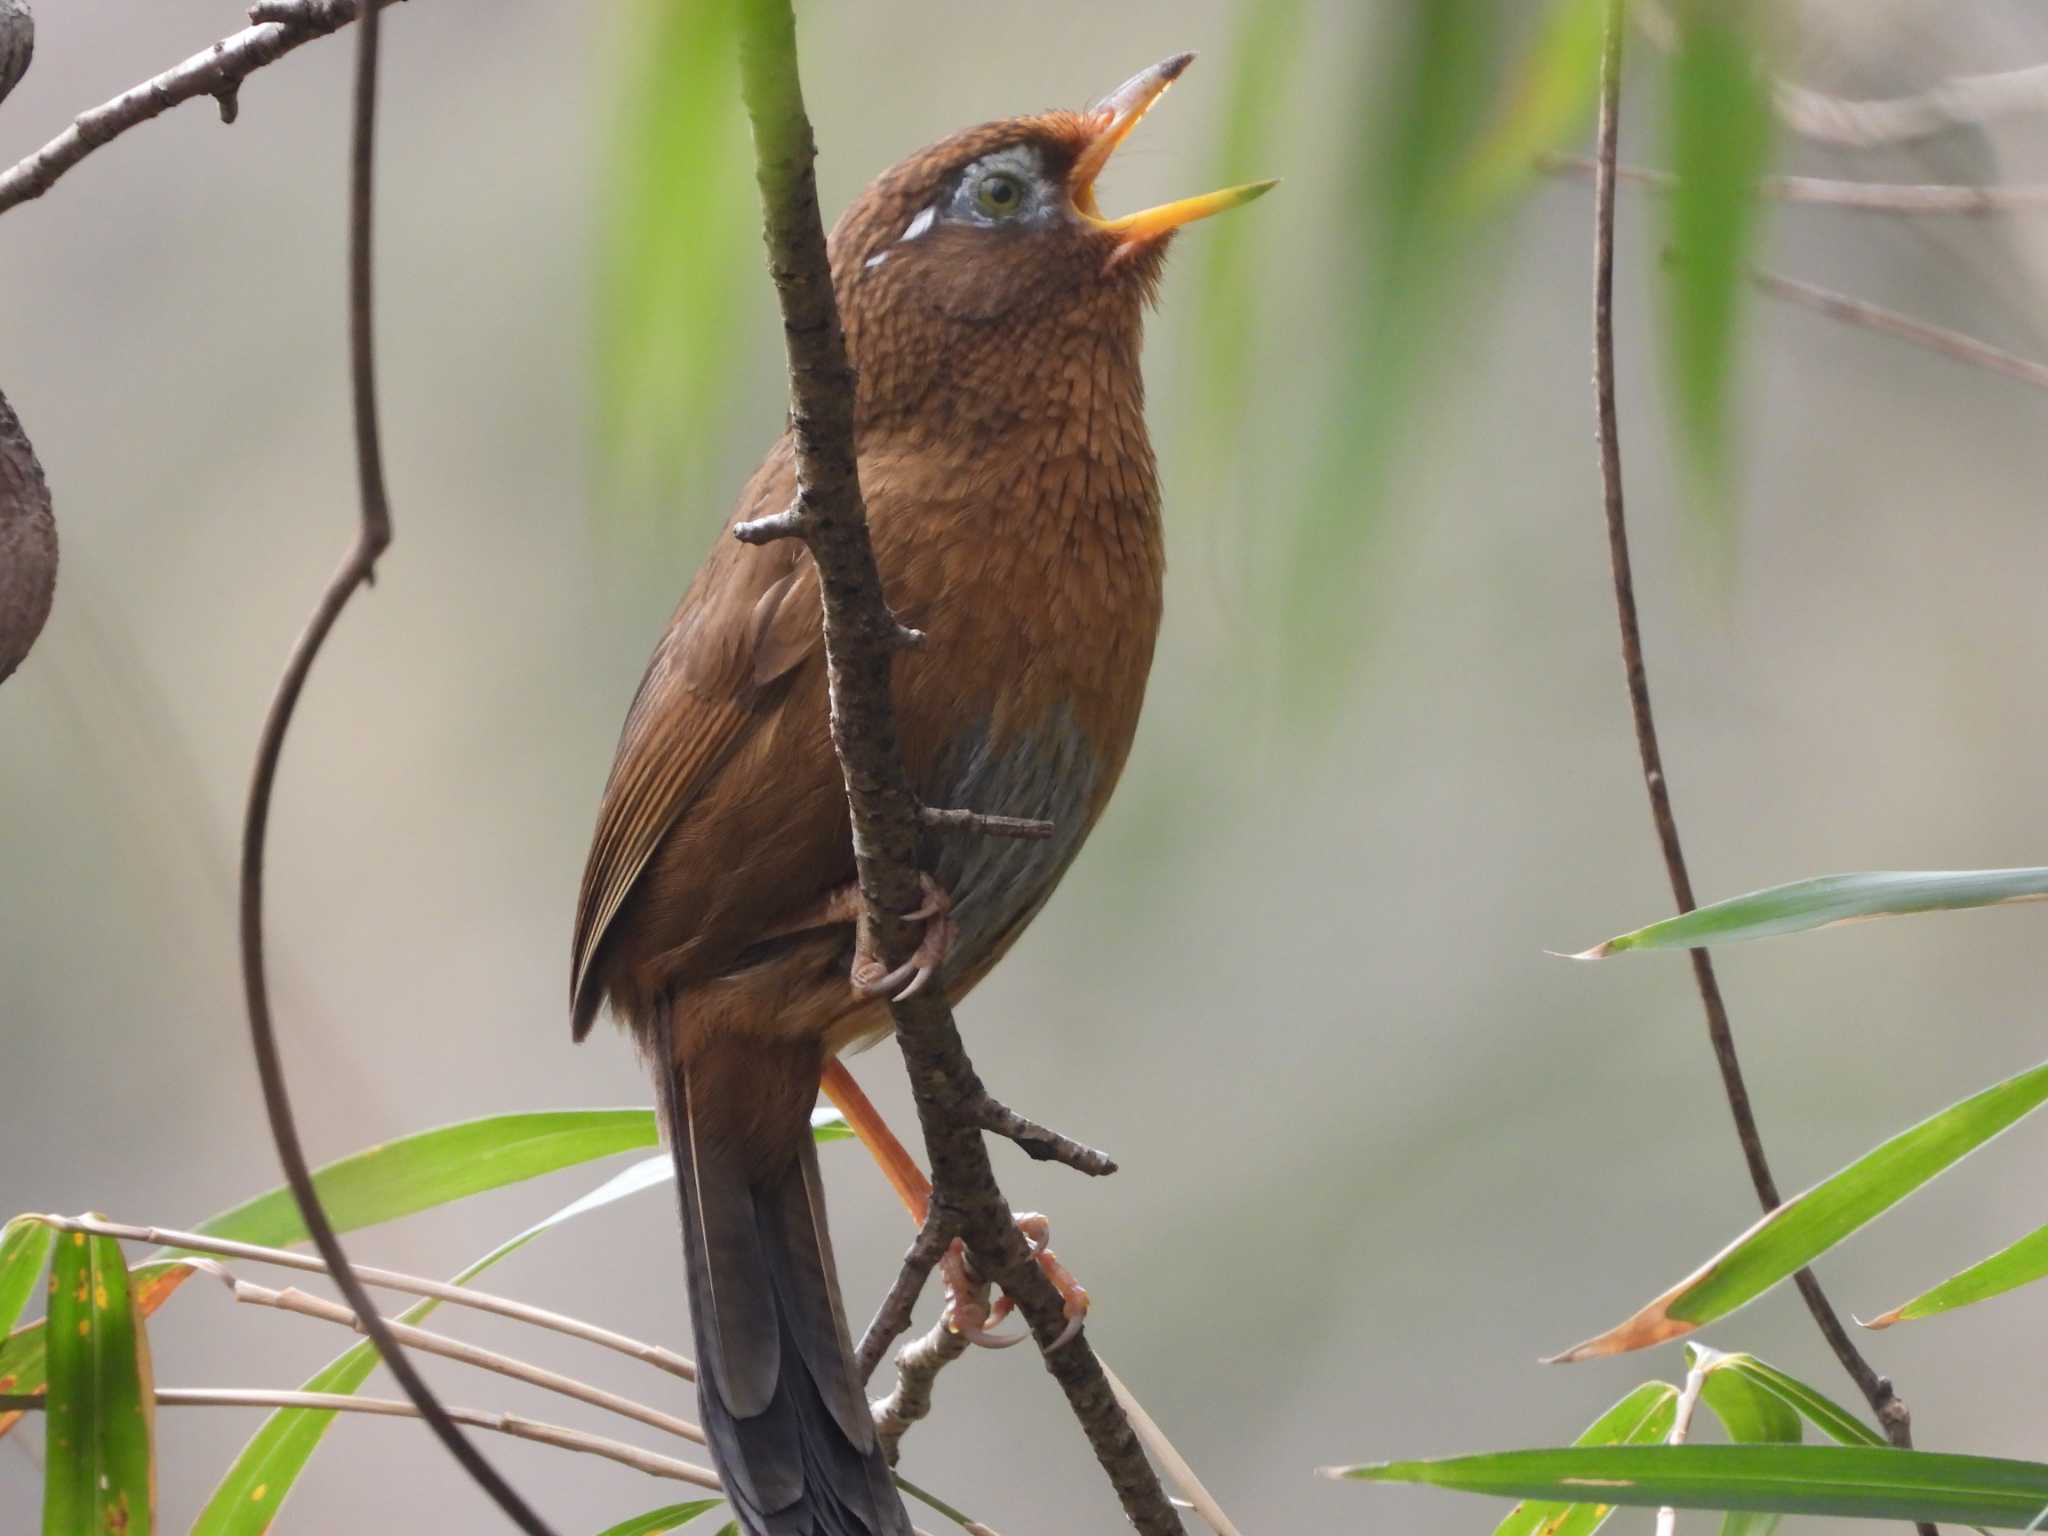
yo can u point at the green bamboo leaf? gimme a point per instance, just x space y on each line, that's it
667 1518
2007 1270
1263 55
1720 133
1547 103
25 1245
430 1168
676 261
387 1181
1752 1415
1809 1224
247 1498
1829 899
1816 1407
1644 1417
1437 58
99 1473
1857 1482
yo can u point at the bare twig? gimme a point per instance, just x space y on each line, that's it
1027 828
356 570
1891 1412
1956 102
1681 1426
389 1280
917 1367
1038 1142
893 1316
1954 345
1828 192
860 641
503 1423
291 1299
217 71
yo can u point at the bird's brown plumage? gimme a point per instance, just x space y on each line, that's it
1013 502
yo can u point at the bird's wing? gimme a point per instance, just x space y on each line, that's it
749 619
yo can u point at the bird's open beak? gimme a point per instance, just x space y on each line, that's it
1115 118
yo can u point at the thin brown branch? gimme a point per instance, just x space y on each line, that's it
356 570
1954 345
1828 192
1027 828
893 1316
216 71
1891 1412
1040 1143
860 640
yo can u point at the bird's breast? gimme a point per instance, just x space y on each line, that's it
1038 585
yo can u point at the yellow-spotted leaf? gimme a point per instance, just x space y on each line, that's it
99 1472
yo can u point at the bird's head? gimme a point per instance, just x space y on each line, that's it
987 250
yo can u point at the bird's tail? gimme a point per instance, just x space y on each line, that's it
782 1403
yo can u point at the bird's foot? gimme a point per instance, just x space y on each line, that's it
870 979
969 1312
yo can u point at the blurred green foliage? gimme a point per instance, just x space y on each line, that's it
1720 139
678 259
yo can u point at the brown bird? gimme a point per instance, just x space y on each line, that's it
994 318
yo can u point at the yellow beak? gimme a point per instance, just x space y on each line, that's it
1117 116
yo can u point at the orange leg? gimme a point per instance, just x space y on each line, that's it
967 1304
894 1159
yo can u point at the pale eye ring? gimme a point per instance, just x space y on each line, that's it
999 194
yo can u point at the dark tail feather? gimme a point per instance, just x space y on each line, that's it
781 1402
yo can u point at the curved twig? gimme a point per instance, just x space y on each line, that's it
1890 1411
373 536
217 71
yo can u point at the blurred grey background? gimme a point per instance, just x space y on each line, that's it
1380 1151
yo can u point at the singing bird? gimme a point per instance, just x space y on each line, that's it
994 318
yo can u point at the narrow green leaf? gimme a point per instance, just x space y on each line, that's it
1644 1417
1855 1482
1263 53
24 1248
2007 1270
394 1179
99 1475
247 1497
1548 101
1720 132
1830 899
676 261
1809 1224
1816 1407
430 1168
667 1518
1386 332
1752 1415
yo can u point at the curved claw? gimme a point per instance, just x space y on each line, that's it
912 976
985 1337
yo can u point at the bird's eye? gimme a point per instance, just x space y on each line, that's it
999 194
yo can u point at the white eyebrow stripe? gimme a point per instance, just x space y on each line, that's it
875 261
919 225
